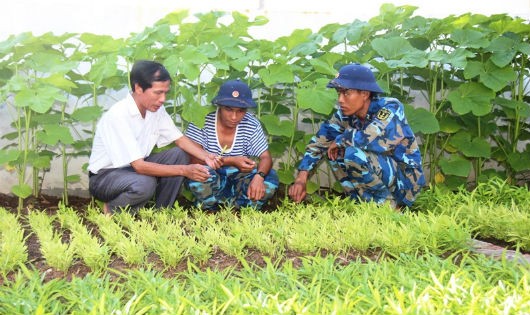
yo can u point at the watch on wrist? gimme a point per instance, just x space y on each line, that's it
261 174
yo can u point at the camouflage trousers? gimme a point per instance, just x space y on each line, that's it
367 176
228 186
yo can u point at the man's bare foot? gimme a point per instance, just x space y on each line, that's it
106 209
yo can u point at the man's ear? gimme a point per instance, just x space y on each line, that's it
138 88
366 94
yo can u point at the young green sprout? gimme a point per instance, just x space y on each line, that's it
224 150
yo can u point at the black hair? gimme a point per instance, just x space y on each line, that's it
145 72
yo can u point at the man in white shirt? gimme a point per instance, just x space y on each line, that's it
122 170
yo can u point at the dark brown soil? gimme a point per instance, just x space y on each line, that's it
218 261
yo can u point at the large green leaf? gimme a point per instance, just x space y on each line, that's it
473 69
87 113
194 55
311 187
58 80
510 25
8 155
314 96
512 107
307 48
276 73
103 67
399 53
449 124
421 120
195 113
492 76
53 134
469 38
458 58
210 51
22 191
476 147
100 45
497 78
504 50
471 97
277 149
187 62
286 176
7 45
277 127
325 63
297 37
353 32
41 161
39 98
50 62
455 165
519 161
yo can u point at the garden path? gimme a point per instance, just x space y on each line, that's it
498 252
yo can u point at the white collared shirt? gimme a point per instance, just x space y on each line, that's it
123 136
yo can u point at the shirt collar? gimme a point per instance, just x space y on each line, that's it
132 108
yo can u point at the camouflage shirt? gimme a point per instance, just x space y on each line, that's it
384 131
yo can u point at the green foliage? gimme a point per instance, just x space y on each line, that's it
494 209
414 262
466 77
13 250
406 285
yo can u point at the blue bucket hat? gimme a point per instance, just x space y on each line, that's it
355 77
234 93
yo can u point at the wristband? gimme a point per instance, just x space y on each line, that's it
261 174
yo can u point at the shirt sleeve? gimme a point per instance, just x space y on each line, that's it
167 131
258 143
319 144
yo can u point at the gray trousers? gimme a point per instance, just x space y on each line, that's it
123 187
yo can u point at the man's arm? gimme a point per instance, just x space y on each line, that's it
196 150
256 189
194 171
265 162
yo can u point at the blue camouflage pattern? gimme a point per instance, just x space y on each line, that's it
379 158
228 186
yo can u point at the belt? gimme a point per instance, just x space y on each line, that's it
90 174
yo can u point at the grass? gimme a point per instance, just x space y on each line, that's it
337 257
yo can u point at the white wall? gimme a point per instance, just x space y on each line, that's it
119 18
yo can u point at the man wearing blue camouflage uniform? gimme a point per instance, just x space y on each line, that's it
370 146
238 137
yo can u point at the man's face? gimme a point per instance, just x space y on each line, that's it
153 98
352 101
230 117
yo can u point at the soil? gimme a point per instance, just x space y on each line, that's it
218 261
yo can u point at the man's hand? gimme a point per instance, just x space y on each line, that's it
197 172
243 163
298 191
256 189
333 151
213 161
